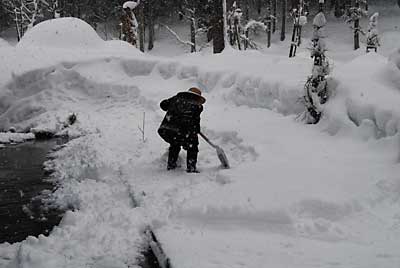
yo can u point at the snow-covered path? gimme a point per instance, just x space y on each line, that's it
295 196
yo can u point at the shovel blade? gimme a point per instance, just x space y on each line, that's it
222 157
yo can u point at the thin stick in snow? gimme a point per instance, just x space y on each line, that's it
142 129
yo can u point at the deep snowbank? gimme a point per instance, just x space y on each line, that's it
366 99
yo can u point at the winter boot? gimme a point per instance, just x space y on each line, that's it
173 155
192 161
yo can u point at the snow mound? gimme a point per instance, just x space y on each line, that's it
4 43
62 33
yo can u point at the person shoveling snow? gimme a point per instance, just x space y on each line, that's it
181 125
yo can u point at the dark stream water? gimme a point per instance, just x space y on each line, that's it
22 179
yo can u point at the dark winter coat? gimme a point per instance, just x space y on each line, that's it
181 124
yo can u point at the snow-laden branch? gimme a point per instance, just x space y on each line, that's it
185 42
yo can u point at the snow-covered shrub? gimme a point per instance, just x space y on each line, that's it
316 88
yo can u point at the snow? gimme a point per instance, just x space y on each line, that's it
395 58
61 33
296 195
4 43
8 137
130 4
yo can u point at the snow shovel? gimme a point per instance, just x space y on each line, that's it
221 154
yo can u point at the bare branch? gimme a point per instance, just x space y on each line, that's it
177 36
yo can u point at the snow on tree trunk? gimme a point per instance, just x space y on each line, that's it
224 24
354 14
373 33
129 24
247 18
26 13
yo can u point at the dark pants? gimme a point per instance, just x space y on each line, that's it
189 141
191 159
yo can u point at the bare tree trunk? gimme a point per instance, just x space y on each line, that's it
274 13
293 46
17 25
337 9
269 23
283 28
193 34
218 30
259 5
141 26
356 29
151 28
21 20
236 35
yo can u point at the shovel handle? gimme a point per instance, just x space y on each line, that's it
207 140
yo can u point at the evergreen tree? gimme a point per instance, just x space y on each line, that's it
316 88
129 24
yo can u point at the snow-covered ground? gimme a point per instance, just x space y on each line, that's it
296 195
